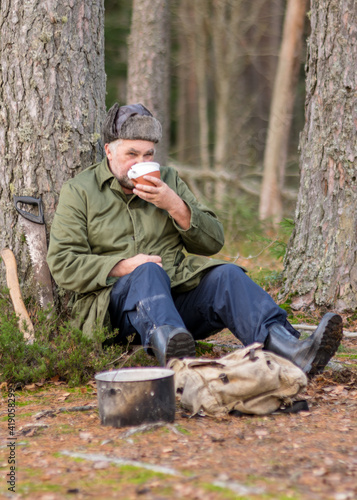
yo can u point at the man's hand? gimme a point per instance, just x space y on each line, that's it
162 196
126 266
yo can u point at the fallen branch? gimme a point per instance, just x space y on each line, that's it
53 413
97 457
192 174
12 279
118 359
149 427
311 328
79 408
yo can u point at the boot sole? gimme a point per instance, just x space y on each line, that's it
330 341
181 345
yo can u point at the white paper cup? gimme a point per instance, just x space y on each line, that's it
137 172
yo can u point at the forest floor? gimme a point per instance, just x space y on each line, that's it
63 452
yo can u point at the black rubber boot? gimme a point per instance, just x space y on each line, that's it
312 354
171 342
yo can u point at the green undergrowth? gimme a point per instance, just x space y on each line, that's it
59 350
266 278
203 348
242 227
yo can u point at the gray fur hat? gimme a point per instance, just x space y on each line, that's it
133 122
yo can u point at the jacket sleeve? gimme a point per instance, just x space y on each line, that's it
70 259
205 236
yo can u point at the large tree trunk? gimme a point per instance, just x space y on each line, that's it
149 63
52 91
281 112
320 265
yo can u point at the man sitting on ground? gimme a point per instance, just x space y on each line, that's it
137 256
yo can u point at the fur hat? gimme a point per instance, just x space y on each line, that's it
133 122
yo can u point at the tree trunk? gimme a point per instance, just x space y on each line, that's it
52 95
186 106
149 63
225 24
281 112
201 58
320 265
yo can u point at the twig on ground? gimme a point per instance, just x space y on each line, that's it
97 457
117 359
136 349
53 413
149 427
79 408
308 328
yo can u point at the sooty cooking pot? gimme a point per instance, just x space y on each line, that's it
133 396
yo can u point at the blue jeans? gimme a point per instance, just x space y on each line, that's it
225 298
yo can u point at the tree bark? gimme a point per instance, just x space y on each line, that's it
149 63
281 112
320 264
52 105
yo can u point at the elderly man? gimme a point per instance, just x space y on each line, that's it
137 257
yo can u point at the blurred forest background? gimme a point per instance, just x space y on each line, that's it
223 65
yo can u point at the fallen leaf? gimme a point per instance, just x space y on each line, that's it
64 396
261 433
30 387
101 465
339 390
86 436
319 472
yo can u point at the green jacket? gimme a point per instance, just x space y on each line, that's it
96 225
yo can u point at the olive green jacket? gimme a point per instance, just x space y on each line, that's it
96 225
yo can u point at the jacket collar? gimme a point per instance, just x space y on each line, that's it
103 173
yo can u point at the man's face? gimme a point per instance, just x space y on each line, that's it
123 154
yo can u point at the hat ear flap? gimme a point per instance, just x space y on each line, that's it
109 131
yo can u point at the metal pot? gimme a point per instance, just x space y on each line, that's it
133 396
